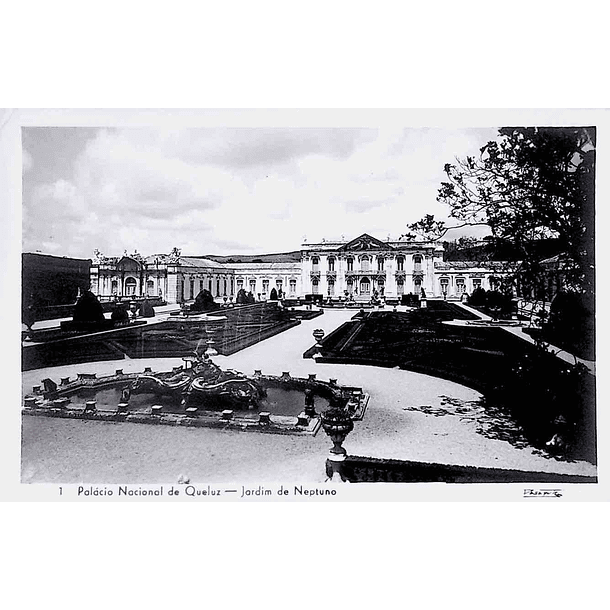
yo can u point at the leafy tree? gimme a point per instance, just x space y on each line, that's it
528 185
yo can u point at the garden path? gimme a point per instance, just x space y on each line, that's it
410 417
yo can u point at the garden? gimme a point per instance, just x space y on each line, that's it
548 398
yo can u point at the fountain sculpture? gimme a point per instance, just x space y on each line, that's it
199 393
202 381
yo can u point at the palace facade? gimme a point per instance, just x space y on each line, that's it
359 268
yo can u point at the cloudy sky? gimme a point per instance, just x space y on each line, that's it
228 190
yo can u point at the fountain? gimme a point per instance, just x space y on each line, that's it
199 393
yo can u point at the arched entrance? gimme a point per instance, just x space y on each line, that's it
365 286
130 286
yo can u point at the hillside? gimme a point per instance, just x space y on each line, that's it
281 257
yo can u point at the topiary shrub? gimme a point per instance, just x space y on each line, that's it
204 301
273 295
146 309
88 309
478 297
499 304
120 315
242 297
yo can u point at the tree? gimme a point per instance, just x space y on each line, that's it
529 185
273 295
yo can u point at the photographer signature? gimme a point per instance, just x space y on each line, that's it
542 493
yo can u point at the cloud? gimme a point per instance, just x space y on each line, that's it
242 148
231 191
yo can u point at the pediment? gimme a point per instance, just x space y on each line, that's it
128 264
365 242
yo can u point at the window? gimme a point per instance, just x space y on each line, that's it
380 264
192 288
417 285
417 262
400 287
293 286
400 264
253 286
350 264
150 288
265 286
130 286
331 264
365 263
114 287
444 285
476 283
240 285
315 286
200 285
315 261
331 288
460 285
350 287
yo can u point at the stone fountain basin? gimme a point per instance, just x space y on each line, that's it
283 397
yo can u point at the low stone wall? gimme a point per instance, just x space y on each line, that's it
359 469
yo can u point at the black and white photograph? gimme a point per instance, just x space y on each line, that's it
279 305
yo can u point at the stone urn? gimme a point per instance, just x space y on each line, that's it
318 335
337 424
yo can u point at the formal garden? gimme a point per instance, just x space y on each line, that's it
90 337
546 397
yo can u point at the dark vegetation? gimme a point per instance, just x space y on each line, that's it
281 257
242 327
570 325
493 303
204 301
521 380
48 282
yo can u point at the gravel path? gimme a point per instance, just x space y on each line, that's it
410 416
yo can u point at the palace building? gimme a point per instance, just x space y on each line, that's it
334 269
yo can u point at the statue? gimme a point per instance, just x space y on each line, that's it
310 409
203 381
50 388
